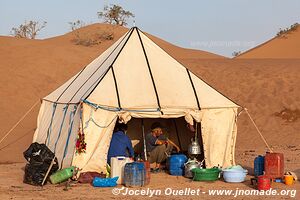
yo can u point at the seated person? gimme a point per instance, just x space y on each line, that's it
158 146
120 144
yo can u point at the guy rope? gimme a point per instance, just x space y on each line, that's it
20 120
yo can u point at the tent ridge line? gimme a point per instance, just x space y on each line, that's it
149 68
193 86
71 83
100 66
129 32
101 78
116 86
122 47
164 50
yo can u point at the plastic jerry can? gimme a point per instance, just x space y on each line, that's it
62 175
117 167
176 164
259 165
134 174
274 165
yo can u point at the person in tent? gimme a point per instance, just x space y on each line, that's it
158 146
120 144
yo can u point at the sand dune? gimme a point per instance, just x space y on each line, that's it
30 69
286 46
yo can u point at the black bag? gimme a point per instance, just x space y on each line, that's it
39 157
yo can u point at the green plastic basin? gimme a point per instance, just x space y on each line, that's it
210 174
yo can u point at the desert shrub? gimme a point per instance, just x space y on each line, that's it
236 53
28 29
283 32
288 114
91 39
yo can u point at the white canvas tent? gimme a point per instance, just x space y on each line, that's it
134 78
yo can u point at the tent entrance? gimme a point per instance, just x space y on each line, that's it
174 128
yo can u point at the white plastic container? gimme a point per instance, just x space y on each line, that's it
117 167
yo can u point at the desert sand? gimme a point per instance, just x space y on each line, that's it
265 80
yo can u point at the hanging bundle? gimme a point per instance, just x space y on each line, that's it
80 142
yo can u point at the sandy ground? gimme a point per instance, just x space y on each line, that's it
11 186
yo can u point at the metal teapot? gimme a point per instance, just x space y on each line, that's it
188 166
194 147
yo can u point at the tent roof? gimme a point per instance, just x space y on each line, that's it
135 73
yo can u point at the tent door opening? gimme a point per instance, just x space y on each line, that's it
174 128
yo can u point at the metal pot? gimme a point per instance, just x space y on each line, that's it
188 166
194 147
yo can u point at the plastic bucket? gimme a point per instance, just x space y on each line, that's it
263 183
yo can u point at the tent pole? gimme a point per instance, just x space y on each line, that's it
48 171
144 140
176 129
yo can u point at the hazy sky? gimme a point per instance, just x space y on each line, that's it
219 26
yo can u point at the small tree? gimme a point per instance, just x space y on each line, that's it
115 14
28 30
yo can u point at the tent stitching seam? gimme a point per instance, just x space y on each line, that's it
99 67
149 68
130 32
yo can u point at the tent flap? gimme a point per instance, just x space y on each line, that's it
219 136
98 126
